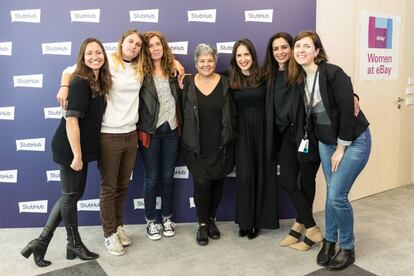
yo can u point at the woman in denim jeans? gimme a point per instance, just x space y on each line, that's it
159 125
344 140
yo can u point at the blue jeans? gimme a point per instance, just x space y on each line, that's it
159 163
339 217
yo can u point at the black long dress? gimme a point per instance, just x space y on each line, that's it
256 192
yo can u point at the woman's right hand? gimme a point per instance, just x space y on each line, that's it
77 163
62 97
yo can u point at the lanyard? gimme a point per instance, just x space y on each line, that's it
309 105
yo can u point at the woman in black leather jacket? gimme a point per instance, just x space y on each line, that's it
159 127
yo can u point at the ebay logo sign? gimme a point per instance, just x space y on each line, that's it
379 32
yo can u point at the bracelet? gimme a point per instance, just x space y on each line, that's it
65 86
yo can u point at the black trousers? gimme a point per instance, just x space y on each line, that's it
73 187
301 196
207 197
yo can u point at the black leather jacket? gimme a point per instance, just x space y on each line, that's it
149 105
191 134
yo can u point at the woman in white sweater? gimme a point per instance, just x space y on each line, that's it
118 135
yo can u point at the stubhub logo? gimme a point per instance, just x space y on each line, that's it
53 175
28 16
110 47
139 203
37 144
208 16
265 16
179 48
88 205
225 47
149 16
6 48
57 48
53 112
7 113
9 176
181 172
35 81
39 206
89 16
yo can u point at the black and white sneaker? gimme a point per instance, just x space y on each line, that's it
153 231
168 227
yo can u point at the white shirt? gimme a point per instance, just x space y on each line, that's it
121 114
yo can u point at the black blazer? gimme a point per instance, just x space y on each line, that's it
337 96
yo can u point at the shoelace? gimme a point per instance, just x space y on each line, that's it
122 232
112 240
168 225
154 228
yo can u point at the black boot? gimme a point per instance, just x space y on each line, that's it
243 232
213 231
342 259
202 234
253 233
75 247
326 253
38 247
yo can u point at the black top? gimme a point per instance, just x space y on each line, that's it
283 102
208 164
89 110
250 97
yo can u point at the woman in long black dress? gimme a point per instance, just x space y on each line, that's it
208 135
256 189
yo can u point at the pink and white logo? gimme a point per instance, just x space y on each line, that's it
379 32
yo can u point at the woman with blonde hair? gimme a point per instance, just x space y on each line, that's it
118 138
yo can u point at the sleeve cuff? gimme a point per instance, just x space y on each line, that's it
75 113
356 95
344 143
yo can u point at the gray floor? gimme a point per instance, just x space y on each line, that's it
384 246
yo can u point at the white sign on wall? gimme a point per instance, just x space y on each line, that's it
380 36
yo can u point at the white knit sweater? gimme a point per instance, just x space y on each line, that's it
121 114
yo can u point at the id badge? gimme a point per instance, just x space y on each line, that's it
304 146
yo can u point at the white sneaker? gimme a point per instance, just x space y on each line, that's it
114 246
153 231
123 238
168 227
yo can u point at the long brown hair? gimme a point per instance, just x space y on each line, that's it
295 71
103 84
236 78
270 65
139 61
167 60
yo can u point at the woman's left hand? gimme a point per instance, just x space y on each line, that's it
179 73
337 157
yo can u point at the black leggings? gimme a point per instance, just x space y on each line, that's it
207 197
73 187
302 197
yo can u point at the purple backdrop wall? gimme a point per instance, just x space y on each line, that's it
29 185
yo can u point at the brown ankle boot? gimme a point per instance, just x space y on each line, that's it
294 235
313 236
